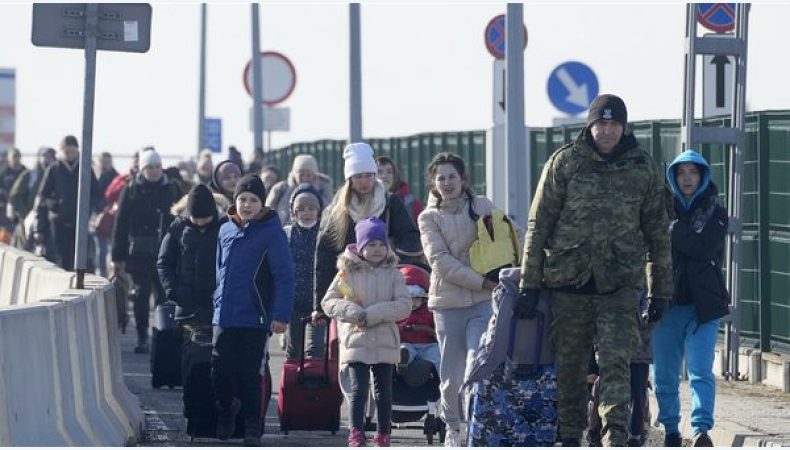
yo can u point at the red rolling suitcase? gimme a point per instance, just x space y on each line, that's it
309 397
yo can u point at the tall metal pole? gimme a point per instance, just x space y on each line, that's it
84 188
735 196
202 88
515 136
257 81
689 71
355 75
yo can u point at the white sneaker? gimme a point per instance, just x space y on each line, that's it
452 438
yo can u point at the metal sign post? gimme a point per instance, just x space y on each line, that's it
355 74
257 81
91 26
515 137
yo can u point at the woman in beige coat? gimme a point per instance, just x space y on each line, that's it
459 297
366 298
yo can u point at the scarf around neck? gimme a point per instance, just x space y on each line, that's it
373 204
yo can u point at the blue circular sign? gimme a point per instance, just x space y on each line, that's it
572 86
718 17
494 36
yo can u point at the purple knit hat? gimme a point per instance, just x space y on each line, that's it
370 229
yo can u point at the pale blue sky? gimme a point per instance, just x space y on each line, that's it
424 68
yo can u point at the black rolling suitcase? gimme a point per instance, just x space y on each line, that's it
166 343
199 402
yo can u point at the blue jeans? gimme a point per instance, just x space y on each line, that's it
677 334
428 352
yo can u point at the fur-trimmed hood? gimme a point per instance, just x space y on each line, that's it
351 261
179 208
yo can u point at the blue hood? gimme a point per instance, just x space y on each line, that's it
688 156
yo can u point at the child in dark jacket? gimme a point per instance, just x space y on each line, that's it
306 205
187 258
690 325
254 295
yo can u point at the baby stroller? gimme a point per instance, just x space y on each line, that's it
415 392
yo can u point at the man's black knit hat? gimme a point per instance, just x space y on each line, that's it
200 202
607 107
250 183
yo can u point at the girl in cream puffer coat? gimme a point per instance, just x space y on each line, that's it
366 298
459 297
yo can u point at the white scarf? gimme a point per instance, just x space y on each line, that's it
372 205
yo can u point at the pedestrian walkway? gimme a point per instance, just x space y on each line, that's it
746 415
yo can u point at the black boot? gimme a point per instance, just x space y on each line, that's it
226 419
252 432
703 440
673 440
142 342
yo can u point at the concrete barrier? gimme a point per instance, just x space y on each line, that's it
66 365
114 381
70 389
9 273
29 382
39 279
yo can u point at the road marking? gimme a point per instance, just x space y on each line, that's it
155 427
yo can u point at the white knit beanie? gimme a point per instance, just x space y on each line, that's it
304 162
149 158
359 159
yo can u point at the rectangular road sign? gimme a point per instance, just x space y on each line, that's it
122 27
274 119
212 134
717 82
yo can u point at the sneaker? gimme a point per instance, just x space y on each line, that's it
673 440
452 438
226 420
702 440
381 440
356 438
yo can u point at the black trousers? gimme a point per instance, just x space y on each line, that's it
63 240
144 281
359 374
235 365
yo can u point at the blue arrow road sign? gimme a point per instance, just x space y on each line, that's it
572 86
212 134
718 17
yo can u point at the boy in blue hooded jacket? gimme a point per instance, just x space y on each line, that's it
254 295
700 299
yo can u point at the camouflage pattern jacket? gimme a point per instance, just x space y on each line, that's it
599 217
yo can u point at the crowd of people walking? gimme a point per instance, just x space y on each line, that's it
631 259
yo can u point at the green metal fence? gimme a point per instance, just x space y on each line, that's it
765 274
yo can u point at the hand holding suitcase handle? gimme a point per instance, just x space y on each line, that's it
300 377
526 304
534 314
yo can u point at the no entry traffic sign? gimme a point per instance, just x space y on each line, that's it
718 17
279 77
494 36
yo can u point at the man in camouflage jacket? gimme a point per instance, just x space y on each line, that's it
598 225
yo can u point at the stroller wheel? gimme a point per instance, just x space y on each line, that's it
442 428
429 428
369 424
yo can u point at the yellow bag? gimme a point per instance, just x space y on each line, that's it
497 244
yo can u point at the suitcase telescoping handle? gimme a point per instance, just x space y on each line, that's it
305 321
540 318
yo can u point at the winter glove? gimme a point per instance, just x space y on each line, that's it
656 309
526 303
